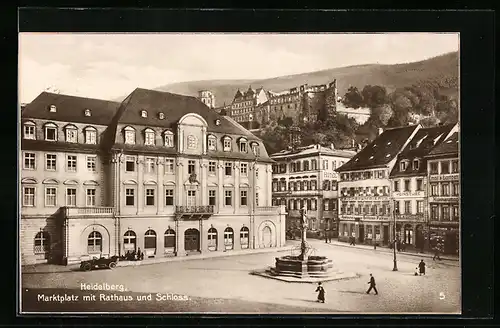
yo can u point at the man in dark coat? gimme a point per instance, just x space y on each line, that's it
421 267
372 285
321 293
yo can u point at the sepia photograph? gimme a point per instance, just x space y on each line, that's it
245 173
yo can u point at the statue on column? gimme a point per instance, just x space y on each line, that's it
303 246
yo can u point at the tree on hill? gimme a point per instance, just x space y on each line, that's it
353 98
374 96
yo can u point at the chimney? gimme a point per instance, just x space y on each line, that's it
352 144
359 147
332 146
380 131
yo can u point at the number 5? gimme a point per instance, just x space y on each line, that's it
441 296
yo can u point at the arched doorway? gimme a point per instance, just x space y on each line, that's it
408 234
267 239
150 243
244 237
169 241
129 241
228 238
212 239
192 240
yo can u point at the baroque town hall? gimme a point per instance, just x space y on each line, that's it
161 172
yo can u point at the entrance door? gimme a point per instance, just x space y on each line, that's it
386 235
192 240
361 233
266 237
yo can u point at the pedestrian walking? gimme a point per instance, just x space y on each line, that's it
436 254
321 293
421 267
372 285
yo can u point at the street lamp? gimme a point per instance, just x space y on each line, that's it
395 268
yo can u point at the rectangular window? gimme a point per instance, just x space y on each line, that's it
29 196
29 132
191 198
211 168
407 185
403 166
433 168
229 169
446 213
456 213
326 204
445 167
71 135
150 139
434 189
325 165
396 207
456 189
445 189
434 213
71 163
243 198
256 199
334 165
191 167
396 185
50 196
150 197
91 197
129 197
50 162
91 163
244 169
407 207
228 198
227 144
243 147
454 166
90 137
420 184
416 164
29 161
211 197
420 206
130 164
51 134
169 166
71 197
150 165
169 197
212 143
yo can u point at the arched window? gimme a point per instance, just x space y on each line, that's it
169 240
90 135
149 137
42 243
129 133
168 139
94 242
227 143
314 164
29 130
228 238
71 133
243 145
129 241
212 239
244 237
212 142
150 240
50 132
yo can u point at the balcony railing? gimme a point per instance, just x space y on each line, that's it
88 211
208 209
267 209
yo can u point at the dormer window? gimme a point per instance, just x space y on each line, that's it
217 122
29 130
212 142
90 135
71 133
403 166
144 114
50 132
149 137
416 164
161 116
227 143
87 112
53 108
169 139
129 135
243 145
255 148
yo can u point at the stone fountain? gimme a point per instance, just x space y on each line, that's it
304 267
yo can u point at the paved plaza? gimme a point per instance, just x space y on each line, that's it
225 285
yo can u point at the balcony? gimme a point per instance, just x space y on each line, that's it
193 212
88 211
411 217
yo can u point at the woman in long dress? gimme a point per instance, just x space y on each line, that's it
321 293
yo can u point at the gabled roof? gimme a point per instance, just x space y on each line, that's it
381 150
174 107
238 94
424 141
70 109
449 146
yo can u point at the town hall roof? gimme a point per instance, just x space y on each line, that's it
381 150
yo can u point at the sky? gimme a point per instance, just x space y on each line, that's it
107 66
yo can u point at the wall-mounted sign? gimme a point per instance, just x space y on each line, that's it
331 175
419 193
443 199
373 198
444 177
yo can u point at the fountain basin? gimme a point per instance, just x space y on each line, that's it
313 266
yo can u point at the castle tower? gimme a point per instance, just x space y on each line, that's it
207 97
331 95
